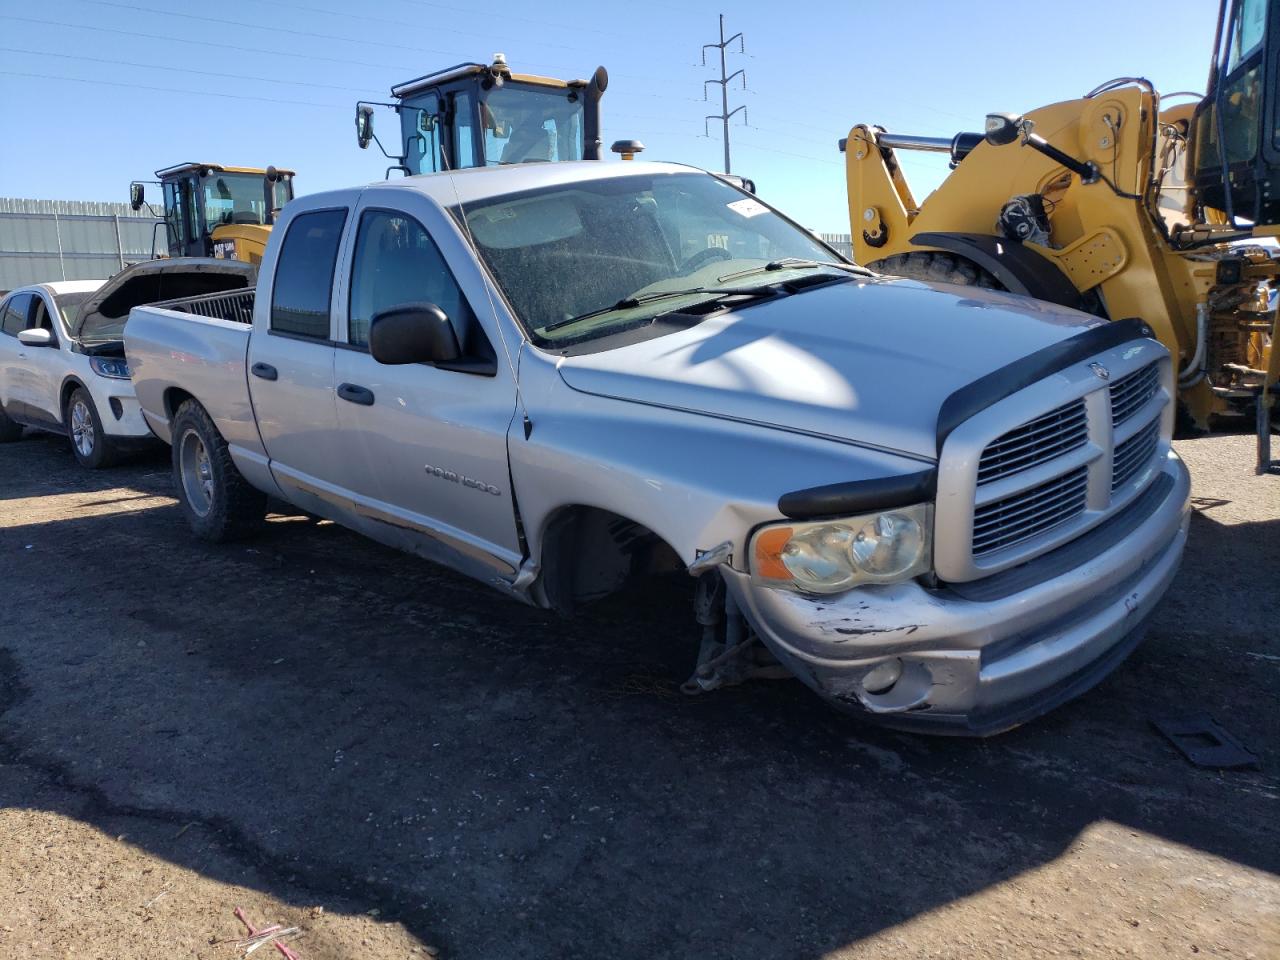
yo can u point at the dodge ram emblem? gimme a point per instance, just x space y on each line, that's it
1101 372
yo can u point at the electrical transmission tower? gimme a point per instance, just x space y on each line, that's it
725 113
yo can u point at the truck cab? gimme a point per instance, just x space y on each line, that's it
473 115
216 211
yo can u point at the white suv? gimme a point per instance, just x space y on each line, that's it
62 362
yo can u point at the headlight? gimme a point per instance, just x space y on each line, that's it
114 367
829 556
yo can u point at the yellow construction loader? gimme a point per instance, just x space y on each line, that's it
1123 203
216 211
475 115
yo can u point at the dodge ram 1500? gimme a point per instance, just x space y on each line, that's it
941 507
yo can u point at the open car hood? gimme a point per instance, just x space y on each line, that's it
868 362
102 317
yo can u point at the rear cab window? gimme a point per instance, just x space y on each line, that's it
301 295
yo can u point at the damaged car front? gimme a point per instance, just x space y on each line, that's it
942 508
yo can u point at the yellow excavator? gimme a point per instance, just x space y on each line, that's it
1123 203
216 211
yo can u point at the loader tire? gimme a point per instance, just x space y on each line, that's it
219 503
938 267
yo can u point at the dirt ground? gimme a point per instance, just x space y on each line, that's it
336 737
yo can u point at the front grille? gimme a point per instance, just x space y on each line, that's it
1037 441
1024 515
1134 454
1128 394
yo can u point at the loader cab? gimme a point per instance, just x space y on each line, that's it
474 115
216 211
1235 131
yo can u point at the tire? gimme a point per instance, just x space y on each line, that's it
93 449
937 267
9 429
219 503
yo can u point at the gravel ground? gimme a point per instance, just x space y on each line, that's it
341 738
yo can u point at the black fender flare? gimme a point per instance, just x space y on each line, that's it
1018 268
69 383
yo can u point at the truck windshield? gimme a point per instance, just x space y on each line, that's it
582 260
239 198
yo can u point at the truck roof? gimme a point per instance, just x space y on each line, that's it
482 183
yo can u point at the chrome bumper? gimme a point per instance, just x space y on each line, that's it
982 657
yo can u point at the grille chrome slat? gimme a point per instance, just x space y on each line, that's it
1025 515
1059 432
1128 394
1134 454
1036 441
1045 488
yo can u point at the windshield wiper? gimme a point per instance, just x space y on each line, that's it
797 263
630 303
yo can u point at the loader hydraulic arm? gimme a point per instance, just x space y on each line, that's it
1004 128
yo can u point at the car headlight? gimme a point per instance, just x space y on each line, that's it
829 556
114 367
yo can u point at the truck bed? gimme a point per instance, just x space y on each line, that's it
194 348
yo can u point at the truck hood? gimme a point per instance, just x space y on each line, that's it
868 362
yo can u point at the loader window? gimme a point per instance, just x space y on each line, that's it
524 124
1249 24
237 198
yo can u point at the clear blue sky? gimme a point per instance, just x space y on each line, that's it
94 93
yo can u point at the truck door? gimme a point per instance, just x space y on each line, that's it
428 455
291 361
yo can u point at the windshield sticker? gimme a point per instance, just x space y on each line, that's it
747 207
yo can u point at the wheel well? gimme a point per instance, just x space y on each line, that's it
68 386
589 553
174 397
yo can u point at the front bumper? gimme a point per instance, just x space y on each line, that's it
119 411
982 657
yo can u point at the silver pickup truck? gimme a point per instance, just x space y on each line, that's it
940 507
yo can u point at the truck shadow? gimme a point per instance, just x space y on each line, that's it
364 726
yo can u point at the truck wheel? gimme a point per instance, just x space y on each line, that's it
89 442
219 504
9 429
938 267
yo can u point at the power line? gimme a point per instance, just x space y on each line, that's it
365 18
725 113
223 22
187 93
205 43
221 74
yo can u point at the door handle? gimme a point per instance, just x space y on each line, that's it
354 393
265 370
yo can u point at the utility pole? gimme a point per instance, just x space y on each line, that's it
725 113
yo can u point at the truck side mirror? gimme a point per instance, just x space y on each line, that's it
364 125
1002 128
137 195
413 333
35 337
